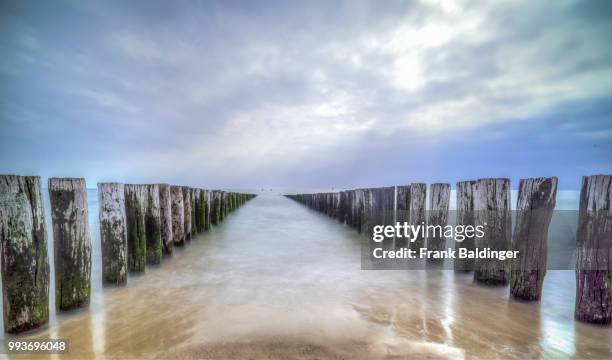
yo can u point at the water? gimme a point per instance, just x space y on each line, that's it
279 280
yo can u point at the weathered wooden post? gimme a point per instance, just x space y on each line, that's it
594 251
465 217
367 221
218 207
165 209
360 209
72 242
195 211
439 198
201 210
135 198
388 205
403 203
178 215
342 202
207 209
350 208
187 214
194 205
214 204
113 238
25 266
492 207
418 200
534 210
153 225
223 204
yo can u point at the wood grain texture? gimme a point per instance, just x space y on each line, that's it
465 217
165 215
72 242
135 207
178 215
113 233
418 199
594 251
25 264
534 210
439 199
492 209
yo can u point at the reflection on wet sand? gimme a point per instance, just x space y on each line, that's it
277 280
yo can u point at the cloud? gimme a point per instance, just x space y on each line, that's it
190 89
108 99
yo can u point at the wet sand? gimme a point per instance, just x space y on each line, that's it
278 280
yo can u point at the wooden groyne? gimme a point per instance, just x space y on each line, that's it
187 213
178 215
165 209
138 224
594 255
488 201
153 226
439 199
135 207
418 201
71 242
492 209
113 236
25 266
535 205
465 217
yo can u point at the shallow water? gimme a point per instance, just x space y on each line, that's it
279 280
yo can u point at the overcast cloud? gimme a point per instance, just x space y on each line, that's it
307 94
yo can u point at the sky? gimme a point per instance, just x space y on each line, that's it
309 94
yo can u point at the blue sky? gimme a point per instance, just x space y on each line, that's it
306 94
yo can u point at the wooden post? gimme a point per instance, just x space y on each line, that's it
194 205
165 209
342 200
388 205
223 204
196 226
492 207
72 242
367 219
418 199
214 204
535 206
201 210
113 238
594 251
153 225
352 204
178 215
232 201
465 217
135 198
360 209
439 197
187 214
350 199
403 203
207 209
218 207
25 266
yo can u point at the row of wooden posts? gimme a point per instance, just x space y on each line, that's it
139 225
488 201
